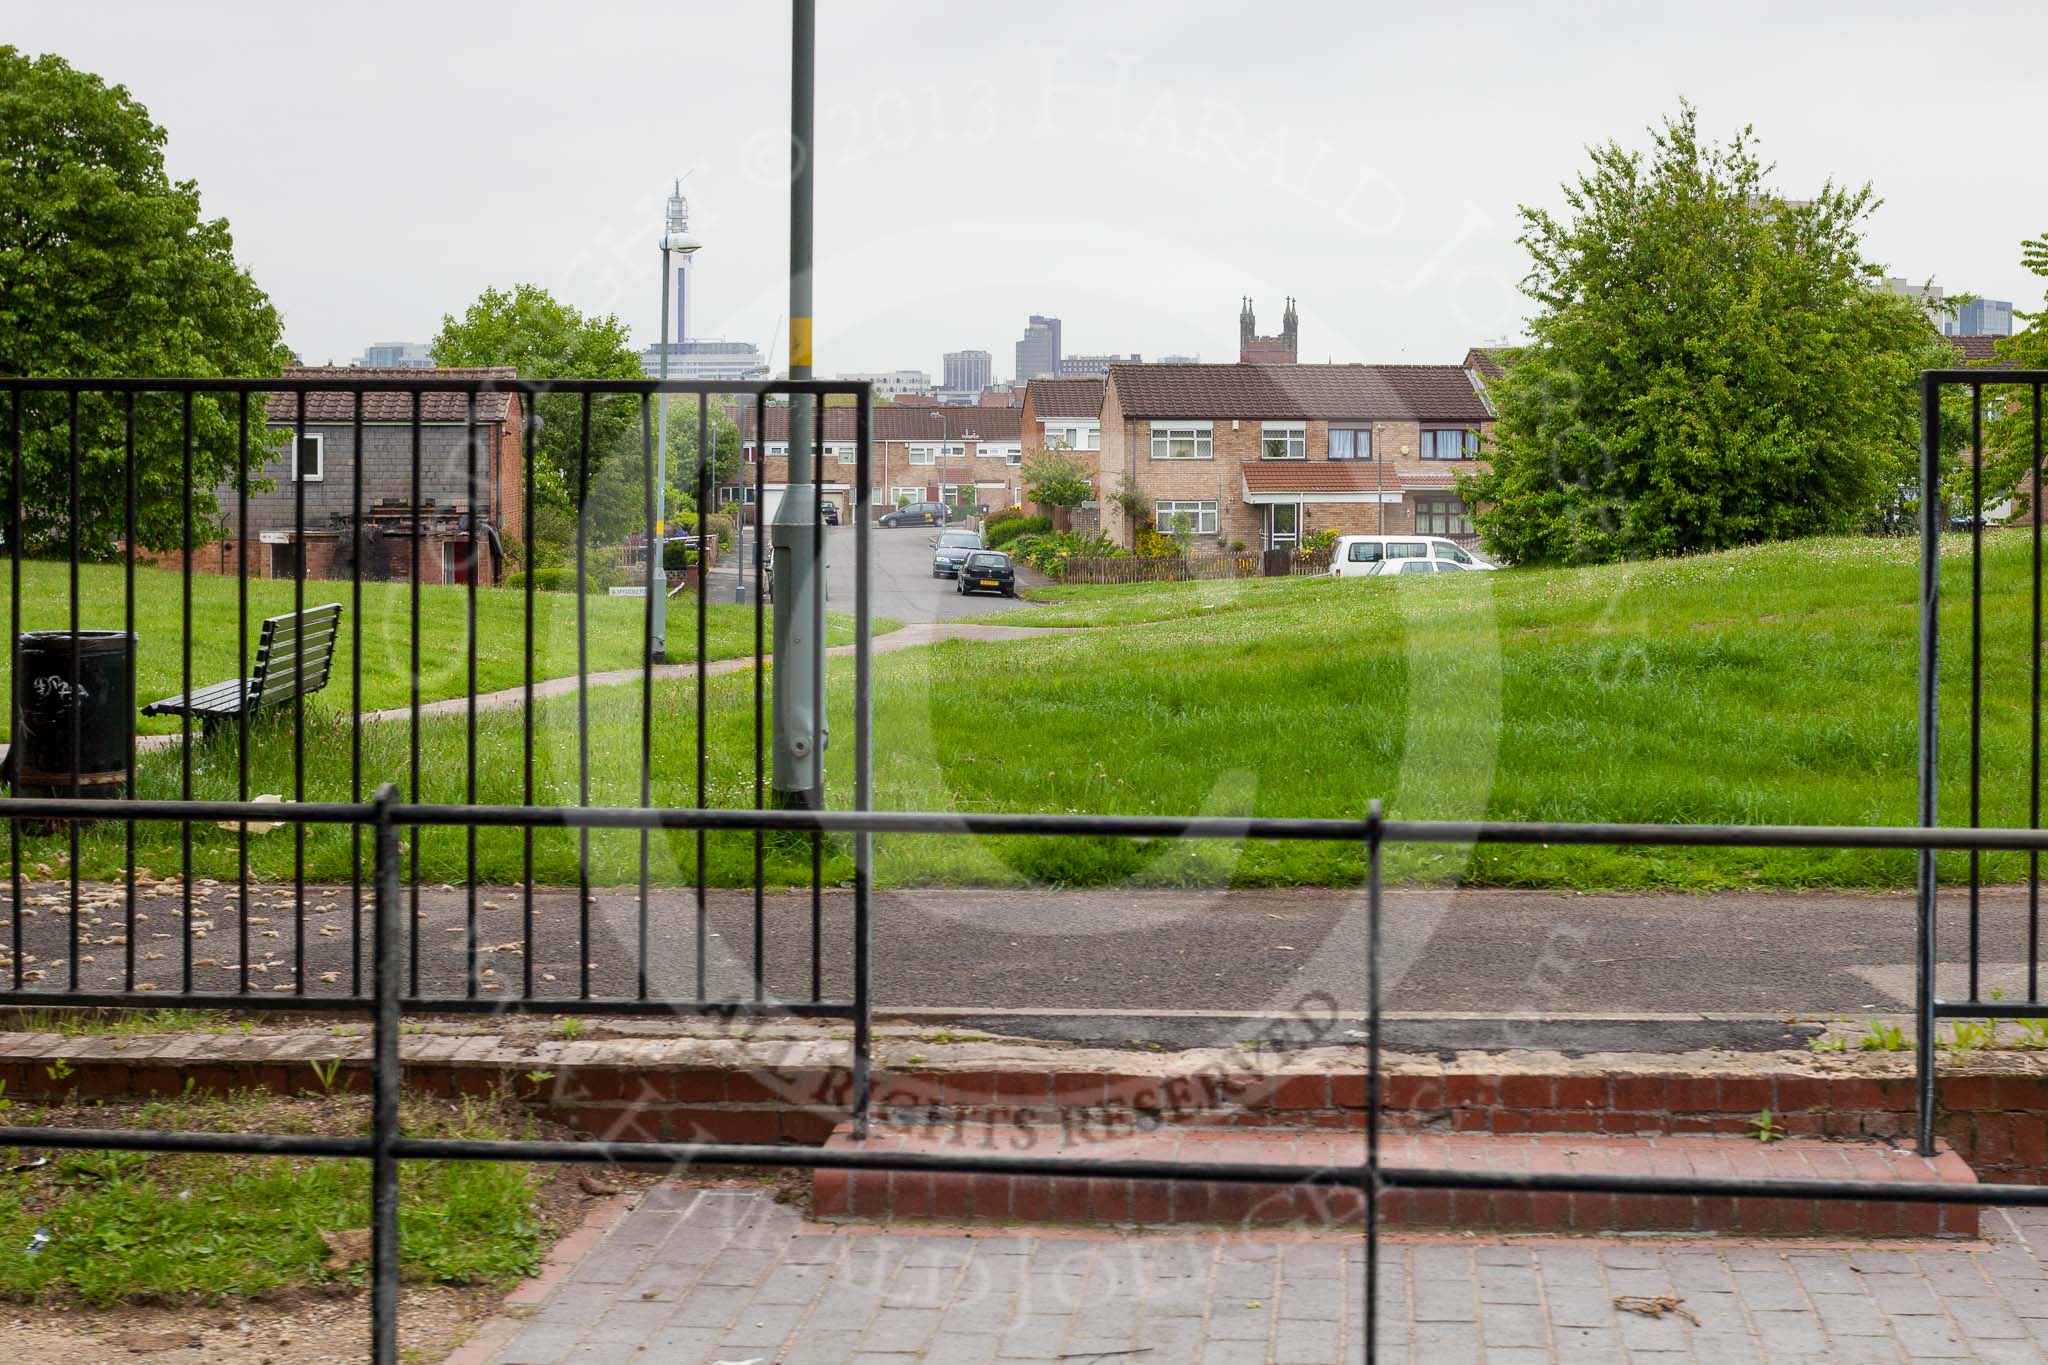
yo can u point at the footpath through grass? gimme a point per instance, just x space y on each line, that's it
109 1227
1773 685
615 631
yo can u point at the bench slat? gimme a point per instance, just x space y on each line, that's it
294 657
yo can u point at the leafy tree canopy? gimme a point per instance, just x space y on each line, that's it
2009 412
1056 479
108 268
1709 363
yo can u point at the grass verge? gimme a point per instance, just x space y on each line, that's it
1774 685
614 636
119 1227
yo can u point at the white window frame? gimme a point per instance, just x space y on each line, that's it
897 495
846 452
319 474
778 448
923 454
1290 437
1009 452
1199 437
1201 511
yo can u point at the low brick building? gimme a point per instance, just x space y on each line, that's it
1270 454
311 514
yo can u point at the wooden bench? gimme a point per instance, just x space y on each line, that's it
293 658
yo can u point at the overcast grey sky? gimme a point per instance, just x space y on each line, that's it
1130 167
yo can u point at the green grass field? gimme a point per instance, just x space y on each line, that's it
1770 685
616 627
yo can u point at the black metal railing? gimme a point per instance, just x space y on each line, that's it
2020 396
391 813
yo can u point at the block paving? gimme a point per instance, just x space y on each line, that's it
716 1275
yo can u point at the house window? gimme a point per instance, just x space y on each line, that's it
284 561
311 465
922 454
842 451
1183 441
1201 516
1007 451
1350 443
1439 514
899 496
1013 454
747 454
1074 436
778 448
1283 441
1450 443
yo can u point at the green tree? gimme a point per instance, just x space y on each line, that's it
108 268
1055 479
543 338
1709 364
2009 412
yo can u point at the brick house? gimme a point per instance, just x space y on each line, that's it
1269 454
966 455
1064 414
281 536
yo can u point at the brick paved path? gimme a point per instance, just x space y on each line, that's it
709 1276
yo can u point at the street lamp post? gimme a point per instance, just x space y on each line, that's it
941 416
676 238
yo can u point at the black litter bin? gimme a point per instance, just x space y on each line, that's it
60 679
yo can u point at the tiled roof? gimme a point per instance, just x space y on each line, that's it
1318 476
894 423
1491 362
1978 350
1411 392
1067 397
387 404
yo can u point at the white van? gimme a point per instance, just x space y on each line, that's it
1367 556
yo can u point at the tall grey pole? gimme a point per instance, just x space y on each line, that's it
799 652
657 575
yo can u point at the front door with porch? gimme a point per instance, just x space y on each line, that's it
1283 525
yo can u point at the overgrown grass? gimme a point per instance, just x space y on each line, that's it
88 1021
1773 685
131 1226
615 631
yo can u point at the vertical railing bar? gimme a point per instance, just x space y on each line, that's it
2034 736
1931 504
1976 671
657 581
819 582
760 668
75 710
385 1063
863 762
526 464
355 701
472 981
705 455
413 719
15 551
1373 942
299 694
242 691
185 719
129 645
582 713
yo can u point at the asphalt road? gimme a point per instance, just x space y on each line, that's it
1477 968
903 585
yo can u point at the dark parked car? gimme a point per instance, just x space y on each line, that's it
919 514
949 548
831 513
987 571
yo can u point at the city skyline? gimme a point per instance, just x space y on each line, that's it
1390 214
